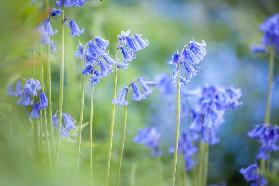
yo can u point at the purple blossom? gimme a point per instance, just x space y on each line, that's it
252 174
70 3
75 30
43 100
149 137
268 137
55 12
68 124
35 113
122 98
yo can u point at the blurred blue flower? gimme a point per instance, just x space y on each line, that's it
32 87
43 100
70 3
149 137
137 95
17 91
80 51
75 30
251 173
211 107
187 148
270 29
68 124
122 98
268 136
35 112
258 49
55 12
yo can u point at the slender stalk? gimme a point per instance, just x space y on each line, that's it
268 100
112 125
205 164
50 125
80 120
199 173
123 142
35 130
133 174
62 69
177 126
91 135
269 91
160 171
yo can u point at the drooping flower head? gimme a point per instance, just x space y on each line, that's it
68 124
29 96
268 137
96 58
129 45
140 88
252 174
55 12
75 30
189 58
149 137
209 114
46 31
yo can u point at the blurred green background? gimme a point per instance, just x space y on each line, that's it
229 27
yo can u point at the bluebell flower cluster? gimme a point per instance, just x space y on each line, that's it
30 95
55 12
70 3
187 148
97 61
189 59
149 137
252 175
268 137
68 124
141 89
129 45
209 115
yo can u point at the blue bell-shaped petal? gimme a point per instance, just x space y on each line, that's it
122 98
75 30
137 96
35 113
68 121
43 100
101 43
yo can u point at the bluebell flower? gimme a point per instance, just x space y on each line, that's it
95 78
252 174
32 87
105 69
35 113
268 137
101 43
270 29
75 30
149 137
94 50
88 69
70 3
68 121
137 95
122 98
55 12
145 86
129 45
17 91
43 100
68 124
45 28
187 148
164 84
80 51
109 60
189 58
25 100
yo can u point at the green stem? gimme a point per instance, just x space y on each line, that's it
177 126
268 100
35 130
91 135
50 125
133 174
80 120
62 69
199 172
269 92
112 125
123 142
205 163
